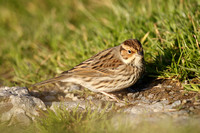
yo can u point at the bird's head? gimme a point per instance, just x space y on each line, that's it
131 52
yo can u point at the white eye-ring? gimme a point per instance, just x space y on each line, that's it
129 51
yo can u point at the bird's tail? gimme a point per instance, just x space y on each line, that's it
52 80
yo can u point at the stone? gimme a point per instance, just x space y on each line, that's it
17 105
136 110
150 96
168 86
176 103
69 105
89 98
69 87
135 95
74 87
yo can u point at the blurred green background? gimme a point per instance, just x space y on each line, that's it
42 38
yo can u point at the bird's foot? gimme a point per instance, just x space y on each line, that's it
113 97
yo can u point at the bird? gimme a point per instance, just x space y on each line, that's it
110 70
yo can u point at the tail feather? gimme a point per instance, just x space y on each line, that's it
52 80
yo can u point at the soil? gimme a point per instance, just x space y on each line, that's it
169 92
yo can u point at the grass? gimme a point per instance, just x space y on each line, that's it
42 38
63 121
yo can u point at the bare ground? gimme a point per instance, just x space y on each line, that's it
153 96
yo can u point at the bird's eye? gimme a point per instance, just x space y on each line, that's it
129 51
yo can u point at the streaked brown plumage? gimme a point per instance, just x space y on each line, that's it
110 70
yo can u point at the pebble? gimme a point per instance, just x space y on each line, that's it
168 86
139 96
75 99
89 98
171 93
196 103
150 96
197 107
69 95
159 85
135 110
185 101
176 103
129 94
135 95
74 88
191 108
157 107
164 102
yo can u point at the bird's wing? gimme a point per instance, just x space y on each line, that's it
103 64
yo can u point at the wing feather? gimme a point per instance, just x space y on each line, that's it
103 64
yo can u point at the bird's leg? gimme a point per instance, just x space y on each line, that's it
111 96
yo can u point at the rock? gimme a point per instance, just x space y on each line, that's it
89 98
136 110
145 107
191 108
69 95
176 103
134 95
158 86
74 87
171 93
81 105
164 102
17 105
168 86
150 96
23 119
69 105
69 87
186 101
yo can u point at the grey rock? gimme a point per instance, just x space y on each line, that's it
150 96
81 105
171 93
191 108
168 86
136 110
89 98
23 119
176 103
71 96
146 107
159 85
135 95
164 102
74 87
16 104
5 107
69 105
